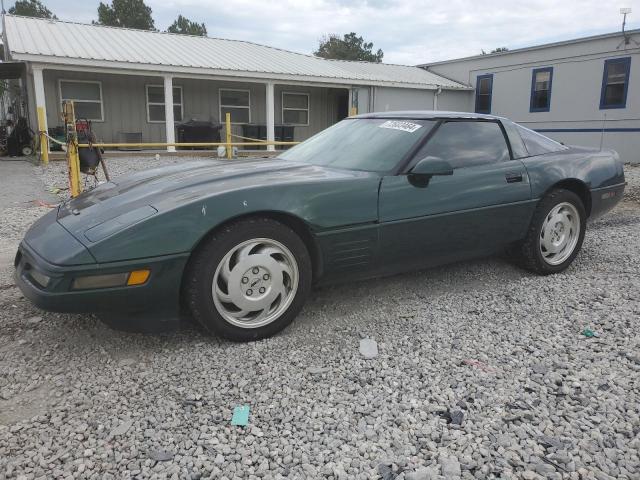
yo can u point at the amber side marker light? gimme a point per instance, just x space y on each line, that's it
138 277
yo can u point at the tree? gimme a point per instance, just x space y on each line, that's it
125 13
186 27
500 49
31 8
350 47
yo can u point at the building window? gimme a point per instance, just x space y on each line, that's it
615 81
541 79
295 108
484 90
237 103
155 104
86 97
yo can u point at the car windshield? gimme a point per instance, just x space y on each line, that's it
368 144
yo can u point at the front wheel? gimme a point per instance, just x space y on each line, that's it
555 235
249 280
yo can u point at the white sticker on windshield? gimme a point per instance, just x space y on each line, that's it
401 125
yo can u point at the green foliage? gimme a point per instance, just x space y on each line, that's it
350 47
500 49
31 8
185 26
126 13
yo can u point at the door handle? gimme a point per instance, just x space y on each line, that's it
513 177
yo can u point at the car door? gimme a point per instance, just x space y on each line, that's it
482 206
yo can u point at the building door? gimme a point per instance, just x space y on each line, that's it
342 104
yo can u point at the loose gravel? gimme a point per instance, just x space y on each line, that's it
480 371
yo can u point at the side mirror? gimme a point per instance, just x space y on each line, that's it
430 166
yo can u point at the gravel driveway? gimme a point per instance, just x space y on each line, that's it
482 372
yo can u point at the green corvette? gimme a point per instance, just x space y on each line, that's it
239 244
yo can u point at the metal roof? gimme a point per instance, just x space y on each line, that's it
533 47
57 42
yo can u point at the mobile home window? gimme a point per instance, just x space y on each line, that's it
237 103
615 82
155 104
295 108
541 79
86 97
484 90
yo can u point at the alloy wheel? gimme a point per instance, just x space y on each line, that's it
255 283
560 233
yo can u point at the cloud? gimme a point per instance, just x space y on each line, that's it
408 31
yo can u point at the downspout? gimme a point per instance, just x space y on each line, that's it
435 97
5 46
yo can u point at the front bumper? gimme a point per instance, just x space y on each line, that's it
161 292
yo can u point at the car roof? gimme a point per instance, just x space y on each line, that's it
427 115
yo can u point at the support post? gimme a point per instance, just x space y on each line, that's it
353 102
227 128
271 116
41 108
168 112
73 158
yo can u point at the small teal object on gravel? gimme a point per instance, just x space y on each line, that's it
240 416
587 332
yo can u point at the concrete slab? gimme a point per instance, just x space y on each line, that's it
20 184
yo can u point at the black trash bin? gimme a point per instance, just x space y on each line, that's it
197 131
283 133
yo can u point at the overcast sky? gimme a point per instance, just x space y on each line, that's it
408 31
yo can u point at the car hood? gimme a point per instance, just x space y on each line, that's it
96 214
174 181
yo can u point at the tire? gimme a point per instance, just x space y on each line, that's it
249 280
555 235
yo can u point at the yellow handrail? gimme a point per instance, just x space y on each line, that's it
182 144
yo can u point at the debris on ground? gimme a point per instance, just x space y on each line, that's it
587 332
456 416
386 471
478 364
318 370
368 348
240 416
161 455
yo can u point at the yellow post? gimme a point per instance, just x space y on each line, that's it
74 167
73 159
228 139
353 111
44 141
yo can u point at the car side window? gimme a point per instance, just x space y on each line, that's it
537 144
467 144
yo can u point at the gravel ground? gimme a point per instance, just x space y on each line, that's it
482 372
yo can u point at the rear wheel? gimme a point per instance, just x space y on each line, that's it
249 280
555 235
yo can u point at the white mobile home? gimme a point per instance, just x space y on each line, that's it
584 91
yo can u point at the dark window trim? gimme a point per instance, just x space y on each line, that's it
533 89
605 73
482 77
